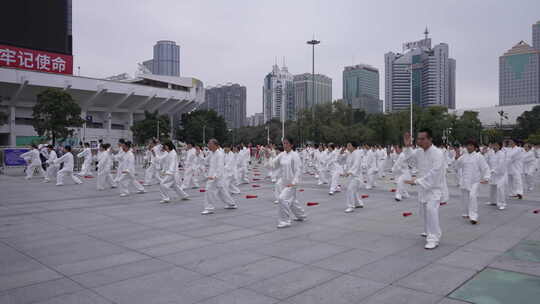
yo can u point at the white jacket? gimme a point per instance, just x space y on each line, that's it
216 164
32 156
474 169
499 168
67 160
430 176
529 162
127 163
290 167
355 163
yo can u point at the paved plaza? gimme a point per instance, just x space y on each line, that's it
73 244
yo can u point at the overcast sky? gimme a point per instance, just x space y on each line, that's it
238 40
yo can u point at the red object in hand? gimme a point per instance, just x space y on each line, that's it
536 211
257 174
251 196
442 203
300 190
202 190
255 186
141 182
365 196
88 176
407 213
256 179
312 203
392 190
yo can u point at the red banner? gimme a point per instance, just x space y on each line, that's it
14 57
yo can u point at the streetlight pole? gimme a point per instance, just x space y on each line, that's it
313 43
411 98
157 129
268 134
204 134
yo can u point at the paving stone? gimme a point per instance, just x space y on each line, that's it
436 279
40 291
389 269
400 295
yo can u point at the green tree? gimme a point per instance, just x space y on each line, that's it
467 127
534 138
56 114
202 122
147 128
528 123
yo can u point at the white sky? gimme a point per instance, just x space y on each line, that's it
238 40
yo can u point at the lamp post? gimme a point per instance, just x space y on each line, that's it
204 134
411 99
313 43
268 134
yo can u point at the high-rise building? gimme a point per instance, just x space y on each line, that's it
519 75
361 88
229 101
166 59
536 35
303 90
278 95
257 119
430 71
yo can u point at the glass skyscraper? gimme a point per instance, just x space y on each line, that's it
361 88
166 59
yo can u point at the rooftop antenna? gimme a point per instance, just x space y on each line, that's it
426 32
283 60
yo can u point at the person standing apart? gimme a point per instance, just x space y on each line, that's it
429 161
127 171
529 167
475 171
33 159
67 169
86 169
290 170
215 184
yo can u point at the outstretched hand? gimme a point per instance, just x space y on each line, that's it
407 139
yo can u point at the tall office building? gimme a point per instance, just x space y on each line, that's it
361 88
519 75
303 90
433 76
257 119
166 59
278 95
229 101
536 35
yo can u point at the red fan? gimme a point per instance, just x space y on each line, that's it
407 214
251 196
312 203
364 196
202 190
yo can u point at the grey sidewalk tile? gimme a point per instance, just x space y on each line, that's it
436 279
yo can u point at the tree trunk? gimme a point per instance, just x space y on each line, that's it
53 139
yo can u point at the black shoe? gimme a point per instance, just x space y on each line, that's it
519 196
474 222
397 199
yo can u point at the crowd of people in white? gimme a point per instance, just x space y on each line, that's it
508 168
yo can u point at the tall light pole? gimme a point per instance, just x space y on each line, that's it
204 134
411 98
268 134
313 43
157 129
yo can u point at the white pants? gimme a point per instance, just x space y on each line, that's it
51 172
497 195
289 205
469 201
277 189
189 179
242 177
104 180
215 191
63 173
86 169
125 180
323 176
230 184
401 190
529 181
353 192
381 163
334 183
371 174
515 184
151 175
166 184
31 168
430 213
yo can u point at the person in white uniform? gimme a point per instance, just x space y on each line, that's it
230 167
290 169
126 167
34 162
514 157
354 171
152 171
105 162
429 161
169 164
190 167
402 172
52 169
475 171
321 157
334 168
67 168
86 168
529 167
371 166
499 178
215 185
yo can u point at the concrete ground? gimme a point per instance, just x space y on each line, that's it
73 244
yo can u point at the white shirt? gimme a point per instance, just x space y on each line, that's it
474 169
289 164
127 162
355 163
33 157
430 176
216 164
67 160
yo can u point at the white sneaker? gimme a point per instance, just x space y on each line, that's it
502 208
301 219
141 191
349 210
185 198
359 206
283 225
123 195
164 201
276 202
431 245
206 211
231 206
